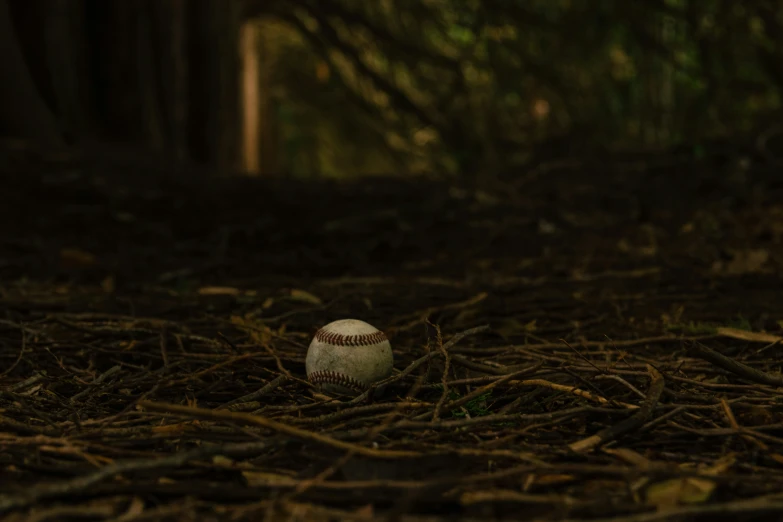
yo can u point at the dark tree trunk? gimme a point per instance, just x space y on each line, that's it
161 74
24 112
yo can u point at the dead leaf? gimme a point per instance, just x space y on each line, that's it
744 335
31 391
465 316
687 490
264 478
743 262
108 285
172 429
512 327
630 457
322 71
365 511
129 345
546 228
218 290
553 479
598 487
305 297
484 264
259 332
135 509
223 461
756 415
77 258
124 217
721 465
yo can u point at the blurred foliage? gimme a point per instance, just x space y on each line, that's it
474 87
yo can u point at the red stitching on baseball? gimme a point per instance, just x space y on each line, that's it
331 377
337 339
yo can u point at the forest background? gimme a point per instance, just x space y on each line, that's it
340 88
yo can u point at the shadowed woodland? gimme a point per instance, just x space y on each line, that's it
565 216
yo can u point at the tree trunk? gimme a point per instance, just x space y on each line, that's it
213 82
23 111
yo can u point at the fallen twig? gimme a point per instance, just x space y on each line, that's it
257 420
728 364
636 420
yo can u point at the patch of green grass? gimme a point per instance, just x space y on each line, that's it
740 323
698 328
692 328
476 406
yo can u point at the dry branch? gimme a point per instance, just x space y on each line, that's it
657 383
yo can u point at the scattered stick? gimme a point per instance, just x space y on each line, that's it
22 349
74 440
445 376
636 420
573 390
470 396
418 362
84 483
257 420
738 509
266 389
728 364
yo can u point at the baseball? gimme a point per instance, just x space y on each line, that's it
347 356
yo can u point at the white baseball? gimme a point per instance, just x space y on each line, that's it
347 356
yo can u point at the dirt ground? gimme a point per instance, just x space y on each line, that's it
596 340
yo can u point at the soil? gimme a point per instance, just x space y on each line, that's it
591 340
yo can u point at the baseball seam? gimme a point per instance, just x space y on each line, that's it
331 377
338 339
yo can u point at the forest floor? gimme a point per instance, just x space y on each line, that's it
609 344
